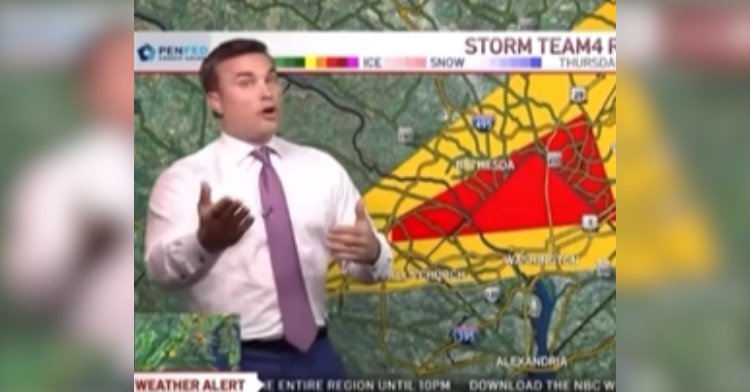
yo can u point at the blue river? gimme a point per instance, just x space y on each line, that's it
545 290
219 345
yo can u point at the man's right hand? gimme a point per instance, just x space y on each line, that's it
222 224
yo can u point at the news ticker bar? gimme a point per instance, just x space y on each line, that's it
250 382
392 52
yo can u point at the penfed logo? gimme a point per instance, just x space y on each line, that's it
168 53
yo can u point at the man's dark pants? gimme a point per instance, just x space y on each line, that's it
278 360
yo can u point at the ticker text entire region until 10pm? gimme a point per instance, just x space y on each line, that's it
440 385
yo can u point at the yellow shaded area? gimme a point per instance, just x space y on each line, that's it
669 235
530 107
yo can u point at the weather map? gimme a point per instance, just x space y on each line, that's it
497 192
165 342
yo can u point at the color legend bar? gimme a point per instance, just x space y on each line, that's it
517 62
404 62
313 63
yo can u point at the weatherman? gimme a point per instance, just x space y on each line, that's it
249 224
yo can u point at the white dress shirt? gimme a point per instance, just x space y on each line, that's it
320 196
92 176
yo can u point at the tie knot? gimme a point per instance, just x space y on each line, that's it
263 154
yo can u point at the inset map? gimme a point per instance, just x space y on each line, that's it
166 342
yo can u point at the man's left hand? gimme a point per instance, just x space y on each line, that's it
357 243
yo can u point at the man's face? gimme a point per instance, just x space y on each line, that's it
248 97
110 83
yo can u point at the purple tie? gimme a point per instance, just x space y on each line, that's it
300 329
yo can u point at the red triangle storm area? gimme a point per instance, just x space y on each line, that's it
528 198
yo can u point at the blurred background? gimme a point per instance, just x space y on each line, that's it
686 84
50 56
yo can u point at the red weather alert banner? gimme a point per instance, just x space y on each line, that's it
196 382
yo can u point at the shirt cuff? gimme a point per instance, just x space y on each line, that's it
381 270
195 259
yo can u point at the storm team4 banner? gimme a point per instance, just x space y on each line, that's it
414 52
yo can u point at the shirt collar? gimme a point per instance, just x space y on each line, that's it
235 151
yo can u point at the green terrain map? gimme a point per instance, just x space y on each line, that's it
166 342
391 333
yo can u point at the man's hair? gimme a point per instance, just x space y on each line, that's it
227 51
